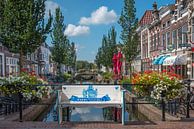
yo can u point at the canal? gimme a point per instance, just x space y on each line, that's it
87 114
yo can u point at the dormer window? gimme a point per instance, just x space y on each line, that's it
164 25
168 23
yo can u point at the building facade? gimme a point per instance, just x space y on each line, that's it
38 62
167 38
8 62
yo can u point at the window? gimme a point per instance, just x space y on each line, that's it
7 60
184 32
164 41
168 23
179 37
168 39
151 43
154 41
7 69
174 39
164 25
158 39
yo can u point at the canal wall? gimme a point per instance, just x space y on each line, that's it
150 111
33 112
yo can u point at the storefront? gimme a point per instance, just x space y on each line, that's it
146 64
176 64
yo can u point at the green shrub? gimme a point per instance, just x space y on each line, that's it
66 76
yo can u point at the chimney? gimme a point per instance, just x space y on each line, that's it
155 11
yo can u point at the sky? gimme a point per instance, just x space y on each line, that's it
88 20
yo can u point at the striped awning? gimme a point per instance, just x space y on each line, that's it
162 59
156 61
170 60
175 60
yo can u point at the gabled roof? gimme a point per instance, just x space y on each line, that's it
147 18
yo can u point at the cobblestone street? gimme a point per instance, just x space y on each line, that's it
98 125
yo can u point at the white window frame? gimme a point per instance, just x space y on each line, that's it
3 63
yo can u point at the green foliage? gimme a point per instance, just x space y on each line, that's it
23 25
125 81
63 52
107 50
107 75
67 76
129 24
23 84
84 66
154 83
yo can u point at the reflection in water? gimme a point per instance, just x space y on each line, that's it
95 114
86 114
51 115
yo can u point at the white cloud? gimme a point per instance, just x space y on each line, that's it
50 5
100 16
80 111
73 30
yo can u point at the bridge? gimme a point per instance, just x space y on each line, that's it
85 76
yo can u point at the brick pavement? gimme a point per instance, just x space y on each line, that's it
98 125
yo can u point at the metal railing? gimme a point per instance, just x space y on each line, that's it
183 106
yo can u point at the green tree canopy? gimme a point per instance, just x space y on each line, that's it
22 26
129 24
107 50
63 52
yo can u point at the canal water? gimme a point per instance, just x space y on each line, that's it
95 114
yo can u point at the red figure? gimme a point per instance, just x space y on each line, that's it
119 62
114 60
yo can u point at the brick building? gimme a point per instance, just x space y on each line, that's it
166 35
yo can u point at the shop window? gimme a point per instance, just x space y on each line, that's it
184 71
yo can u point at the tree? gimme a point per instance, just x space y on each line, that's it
107 50
22 26
129 24
71 55
60 41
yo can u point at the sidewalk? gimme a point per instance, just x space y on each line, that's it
98 125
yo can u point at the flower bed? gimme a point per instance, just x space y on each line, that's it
151 84
24 84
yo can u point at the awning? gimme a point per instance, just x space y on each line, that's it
170 60
156 61
181 60
162 59
175 60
